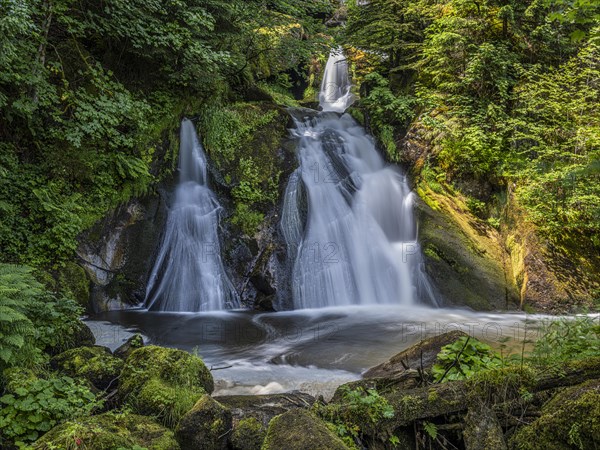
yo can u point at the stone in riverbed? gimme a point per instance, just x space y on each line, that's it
133 343
249 434
422 353
205 426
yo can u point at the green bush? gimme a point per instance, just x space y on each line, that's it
33 405
463 358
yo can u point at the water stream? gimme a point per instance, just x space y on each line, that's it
188 274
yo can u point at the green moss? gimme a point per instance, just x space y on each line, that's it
95 364
109 431
569 420
496 385
163 382
299 429
243 141
248 434
74 282
205 426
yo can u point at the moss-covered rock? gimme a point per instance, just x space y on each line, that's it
248 434
205 426
164 382
571 420
109 431
95 364
299 429
74 282
133 343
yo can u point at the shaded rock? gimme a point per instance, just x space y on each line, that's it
164 382
299 429
248 434
205 426
482 429
424 354
264 407
95 364
133 343
109 431
570 420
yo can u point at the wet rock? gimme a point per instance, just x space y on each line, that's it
107 432
421 355
264 407
95 364
133 343
164 382
299 429
205 426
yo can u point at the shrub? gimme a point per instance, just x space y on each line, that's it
463 358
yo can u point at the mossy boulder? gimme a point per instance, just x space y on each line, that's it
249 434
133 343
164 382
205 426
95 364
571 420
109 431
300 429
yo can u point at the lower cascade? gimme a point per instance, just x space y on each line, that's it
348 217
188 274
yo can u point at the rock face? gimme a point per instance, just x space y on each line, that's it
264 407
205 426
95 364
423 354
109 431
164 382
300 430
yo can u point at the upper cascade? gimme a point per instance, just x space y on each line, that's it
335 92
188 274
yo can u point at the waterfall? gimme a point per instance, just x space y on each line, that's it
335 88
188 274
355 240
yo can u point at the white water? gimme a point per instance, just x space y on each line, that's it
188 274
358 244
335 92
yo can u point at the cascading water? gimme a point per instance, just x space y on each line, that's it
188 274
357 243
335 92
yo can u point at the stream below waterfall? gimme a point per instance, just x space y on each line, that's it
312 350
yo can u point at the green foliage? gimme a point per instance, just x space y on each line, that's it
463 358
567 339
31 406
358 411
31 319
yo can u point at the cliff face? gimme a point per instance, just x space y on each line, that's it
504 266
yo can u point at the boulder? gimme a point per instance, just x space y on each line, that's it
423 354
109 431
300 429
248 434
95 364
205 426
164 382
264 407
133 343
